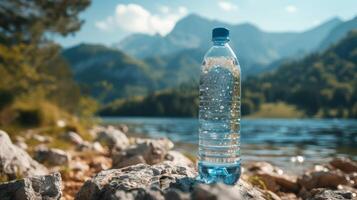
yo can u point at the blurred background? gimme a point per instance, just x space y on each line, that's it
72 64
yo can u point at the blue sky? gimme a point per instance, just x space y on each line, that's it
109 21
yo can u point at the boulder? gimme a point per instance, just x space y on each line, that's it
322 179
112 137
147 151
273 177
323 194
167 181
52 156
137 182
344 164
15 162
46 187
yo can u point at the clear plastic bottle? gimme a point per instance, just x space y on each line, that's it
219 113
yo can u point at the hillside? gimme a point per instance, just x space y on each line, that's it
107 73
321 85
338 33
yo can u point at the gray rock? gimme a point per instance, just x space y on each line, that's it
161 181
15 162
323 194
136 181
52 156
147 151
224 192
46 187
73 137
344 164
112 137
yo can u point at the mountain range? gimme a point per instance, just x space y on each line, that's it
140 63
318 85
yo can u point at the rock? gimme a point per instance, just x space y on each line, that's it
96 146
322 179
166 143
114 138
323 194
46 187
344 164
99 163
167 180
174 194
147 151
87 146
15 162
124 128
288 196
178 158
19 139
273 177
79 166
52 156
73 137
41 138
224 192
137 181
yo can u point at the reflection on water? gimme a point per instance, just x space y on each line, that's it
275 140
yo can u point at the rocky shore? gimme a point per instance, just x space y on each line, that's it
114 166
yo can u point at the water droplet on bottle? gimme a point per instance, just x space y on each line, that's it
221 107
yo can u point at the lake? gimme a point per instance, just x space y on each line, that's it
293 144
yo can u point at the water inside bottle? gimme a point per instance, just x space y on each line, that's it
219 121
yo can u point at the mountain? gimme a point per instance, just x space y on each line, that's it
320 84
255 48
338 33
307 41
107 73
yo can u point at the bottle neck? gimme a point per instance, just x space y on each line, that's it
220 42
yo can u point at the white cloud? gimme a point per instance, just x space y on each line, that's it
135 18
290 9
227 6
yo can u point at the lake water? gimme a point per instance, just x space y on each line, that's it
293 144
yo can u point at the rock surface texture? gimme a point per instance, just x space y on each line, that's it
33 188
161 181
112 137
52 156
15 162
322 194
147 151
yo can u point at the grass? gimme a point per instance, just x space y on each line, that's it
277 110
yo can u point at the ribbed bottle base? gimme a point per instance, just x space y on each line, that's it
211 173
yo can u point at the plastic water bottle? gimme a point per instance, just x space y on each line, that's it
219 113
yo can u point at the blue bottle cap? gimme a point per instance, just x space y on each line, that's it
220 34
